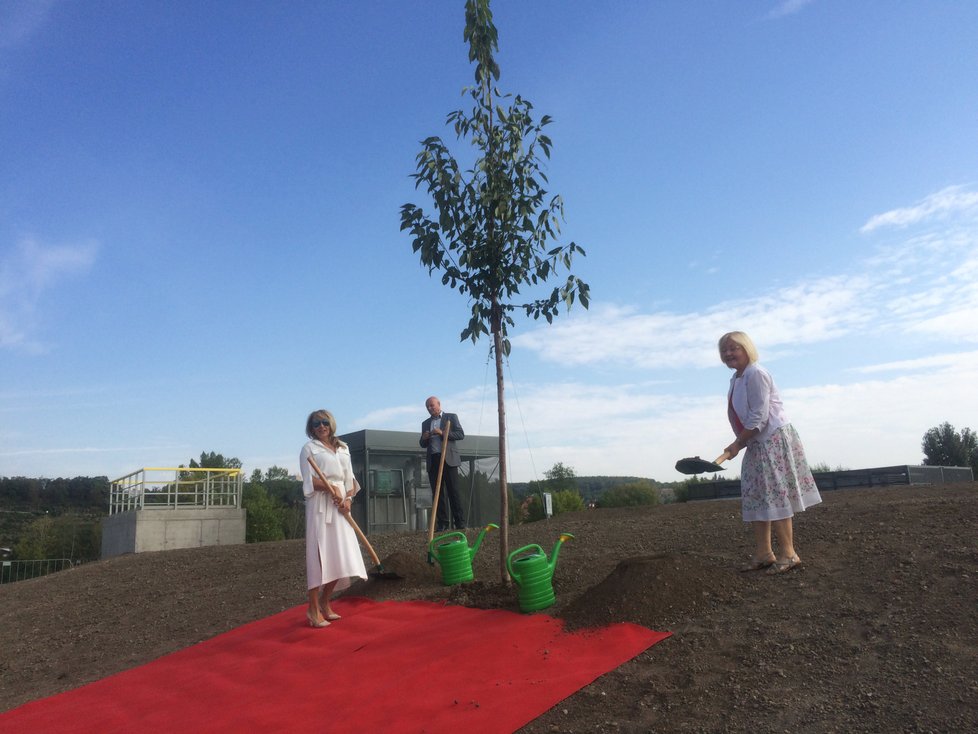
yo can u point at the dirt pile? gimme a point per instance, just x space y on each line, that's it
410 567
656 591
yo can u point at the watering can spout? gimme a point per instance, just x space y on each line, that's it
478 541
556 550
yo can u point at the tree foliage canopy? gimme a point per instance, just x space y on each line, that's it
265 516
558 478
214 460
495 220
633 494
54 495
72 536
945 446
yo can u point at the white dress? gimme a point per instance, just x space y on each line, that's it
332 549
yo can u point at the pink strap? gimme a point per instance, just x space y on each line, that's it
732 415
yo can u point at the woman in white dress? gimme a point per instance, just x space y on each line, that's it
332 552
775 479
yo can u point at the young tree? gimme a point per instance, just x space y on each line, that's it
558 477
495 224
561 477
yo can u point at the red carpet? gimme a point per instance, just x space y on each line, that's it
385 667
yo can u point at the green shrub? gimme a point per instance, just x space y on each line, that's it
630 495
567 500
264 519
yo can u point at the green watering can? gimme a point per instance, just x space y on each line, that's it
454 555
533 574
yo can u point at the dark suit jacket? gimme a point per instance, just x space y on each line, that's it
452 457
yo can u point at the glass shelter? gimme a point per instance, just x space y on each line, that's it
390 466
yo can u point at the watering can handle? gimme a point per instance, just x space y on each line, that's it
511 556
439 539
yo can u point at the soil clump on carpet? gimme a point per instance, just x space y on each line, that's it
876 632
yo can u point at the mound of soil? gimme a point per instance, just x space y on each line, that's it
656 591
876 632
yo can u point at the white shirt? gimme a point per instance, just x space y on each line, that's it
435 440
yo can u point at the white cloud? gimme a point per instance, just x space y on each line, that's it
82 450
923 289
640 430
932 286
960 360
882 422
635 429
812 311
787 7
26 273
395 415
926 284
941 205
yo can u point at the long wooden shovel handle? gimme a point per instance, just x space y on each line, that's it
722 457
441 467
348 516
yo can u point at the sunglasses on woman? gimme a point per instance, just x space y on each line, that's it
318 423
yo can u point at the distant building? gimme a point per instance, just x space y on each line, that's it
390 466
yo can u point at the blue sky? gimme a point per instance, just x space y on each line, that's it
199 227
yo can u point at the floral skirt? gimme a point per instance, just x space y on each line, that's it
775 480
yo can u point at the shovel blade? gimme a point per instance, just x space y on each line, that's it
696 465
380 572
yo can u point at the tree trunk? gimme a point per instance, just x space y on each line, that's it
497 341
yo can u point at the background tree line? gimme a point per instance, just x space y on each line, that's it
570 493
52 518
61 518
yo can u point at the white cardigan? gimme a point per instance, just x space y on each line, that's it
757 402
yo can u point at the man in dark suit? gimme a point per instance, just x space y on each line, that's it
434 439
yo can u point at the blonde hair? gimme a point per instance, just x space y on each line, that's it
324 415
741 339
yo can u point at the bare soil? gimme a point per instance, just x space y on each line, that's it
876 632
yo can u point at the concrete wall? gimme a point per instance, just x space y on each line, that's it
138 531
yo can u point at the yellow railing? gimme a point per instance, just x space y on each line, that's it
180 487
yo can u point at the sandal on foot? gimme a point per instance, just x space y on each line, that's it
758 564
313 623
787 564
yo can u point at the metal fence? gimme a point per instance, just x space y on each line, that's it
176 487
11 571
886 475
940 474
876 477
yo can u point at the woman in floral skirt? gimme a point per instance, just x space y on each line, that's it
775 479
